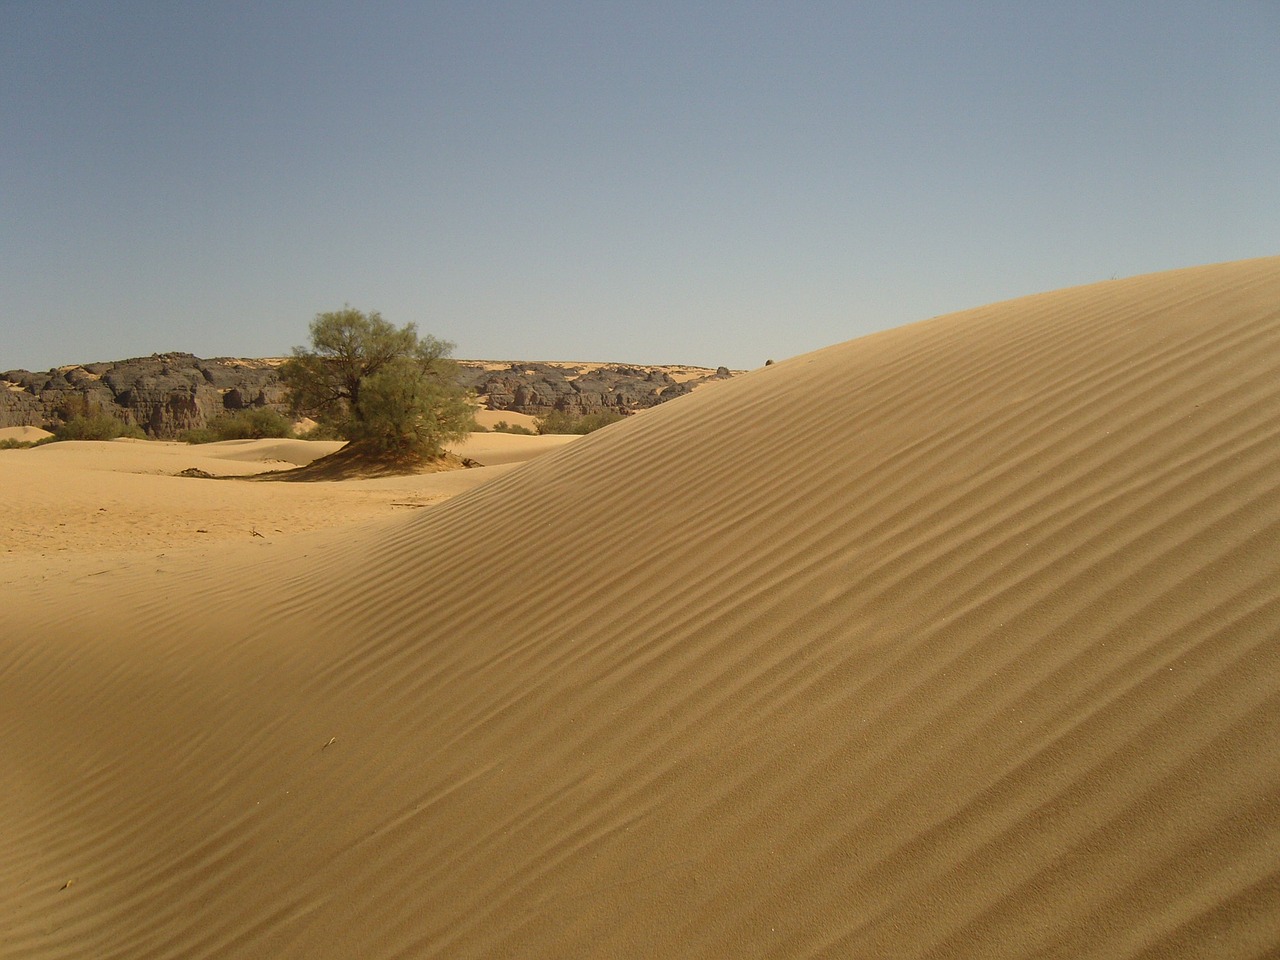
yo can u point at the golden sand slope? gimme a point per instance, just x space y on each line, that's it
80 497
23 434
981 662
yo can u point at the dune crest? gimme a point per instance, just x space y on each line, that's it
959 640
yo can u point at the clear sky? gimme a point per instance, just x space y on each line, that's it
695 182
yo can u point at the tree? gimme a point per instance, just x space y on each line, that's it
373 383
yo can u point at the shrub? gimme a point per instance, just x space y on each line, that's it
254 423
558 421
86 419
404 411
198 435
99 425
517 428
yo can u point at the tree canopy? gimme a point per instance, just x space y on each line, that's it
373 382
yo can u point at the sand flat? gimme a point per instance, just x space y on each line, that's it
958 640
82 496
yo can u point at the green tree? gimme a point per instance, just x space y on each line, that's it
378 384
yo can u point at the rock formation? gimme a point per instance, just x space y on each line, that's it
164 394
168 393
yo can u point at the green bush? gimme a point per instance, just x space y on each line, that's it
98 425
403 411
86 419
519 429
14 444
254 423
198 435
557 421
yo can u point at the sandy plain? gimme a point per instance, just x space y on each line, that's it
958 640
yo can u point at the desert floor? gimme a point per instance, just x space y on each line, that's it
958 640
83 496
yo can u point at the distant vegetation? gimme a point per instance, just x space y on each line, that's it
385 388
99 426
11 443
557 421
84 419
252 424
503 427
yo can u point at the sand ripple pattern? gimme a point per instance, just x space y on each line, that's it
958 640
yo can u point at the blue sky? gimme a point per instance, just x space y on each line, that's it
695 182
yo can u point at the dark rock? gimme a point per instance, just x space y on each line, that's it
168 393
20 409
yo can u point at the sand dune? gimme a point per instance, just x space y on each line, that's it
79 497
958 640
23 434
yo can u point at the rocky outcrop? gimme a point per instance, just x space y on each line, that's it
18 408
164 394
579 389
168 393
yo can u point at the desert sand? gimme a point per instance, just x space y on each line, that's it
79 497
957 640
23 434
491 418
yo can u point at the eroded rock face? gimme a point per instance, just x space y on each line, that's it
18 408
578 389
164 394
168 393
